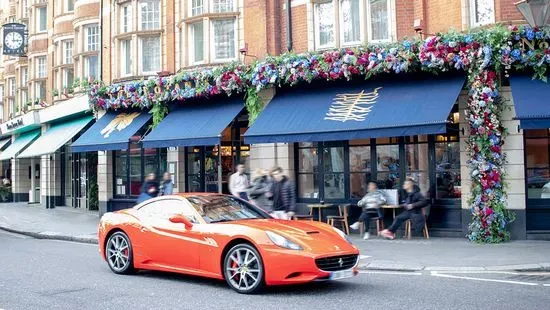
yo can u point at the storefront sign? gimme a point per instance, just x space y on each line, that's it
352 107
14 39
531 45
14 124
70 107
21 123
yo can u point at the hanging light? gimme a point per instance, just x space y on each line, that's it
536 12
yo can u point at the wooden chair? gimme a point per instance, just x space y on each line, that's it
425 231
306 217
341 218
379 226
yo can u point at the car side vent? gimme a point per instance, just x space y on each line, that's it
312 232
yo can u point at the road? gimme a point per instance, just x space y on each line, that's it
46 274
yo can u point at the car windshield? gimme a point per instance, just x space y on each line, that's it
219 208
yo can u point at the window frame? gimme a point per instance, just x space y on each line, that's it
91 42
66 6
391 13
473 15
341 24
123 57
190 8
212 36
140 16
191 36
140 55
86 59
68 53
41 68
316 25
65 78
40 11
37 90
126 22
213 6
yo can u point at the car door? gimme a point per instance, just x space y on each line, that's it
171 244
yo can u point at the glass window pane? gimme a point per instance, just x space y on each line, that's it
197 36
333 159
136 178
421 179
120 172
360 142
307 144
536 133
538 183
150 14
536 153
447 184
379 20
224 38
387 180
334 186
126 53
308 186
196 7
359 158
387 158
351 22
150 50
325 23
222 6
447 156
359 183
211 172
484 11
150 161
307 160
416 156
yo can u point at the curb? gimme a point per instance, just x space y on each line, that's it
51 236
517 268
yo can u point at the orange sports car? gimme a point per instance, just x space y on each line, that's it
224 237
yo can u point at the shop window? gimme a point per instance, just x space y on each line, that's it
211 169
308 183
447 167
416 160
360 169
333 168
121 171
193 170
537 162
387 166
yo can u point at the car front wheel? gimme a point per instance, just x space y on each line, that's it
118 251
243 269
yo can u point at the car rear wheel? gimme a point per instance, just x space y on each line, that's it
243 269
118 251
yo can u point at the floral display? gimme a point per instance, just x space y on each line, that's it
481 55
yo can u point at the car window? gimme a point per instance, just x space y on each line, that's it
219 208
166 208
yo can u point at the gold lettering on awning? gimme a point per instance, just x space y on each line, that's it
352 107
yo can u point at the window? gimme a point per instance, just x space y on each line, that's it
416 164
447 167
40 90
126 18
121 172
24 76
387 165
149 14
197 38
41 19
197 7
224 208
150 54
360 167
24 9
482 12
24 97
350 17
68 52
69 5
41 67
193 171
12 87
379 20
92 38
68 78
333 168
324 25
12 107
131 165
222 6
224 39
308 182
91 66
126 57
537 163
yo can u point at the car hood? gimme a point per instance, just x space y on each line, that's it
314 236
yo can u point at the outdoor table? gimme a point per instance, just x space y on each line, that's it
319 207
392 207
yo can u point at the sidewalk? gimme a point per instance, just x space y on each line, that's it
61 223
66 223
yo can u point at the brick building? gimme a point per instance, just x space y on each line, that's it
71 42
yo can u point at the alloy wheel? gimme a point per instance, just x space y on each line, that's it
118 253
244 269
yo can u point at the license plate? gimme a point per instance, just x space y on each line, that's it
342 274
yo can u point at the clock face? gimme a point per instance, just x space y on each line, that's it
13 40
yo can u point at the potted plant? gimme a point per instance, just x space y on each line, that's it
55 92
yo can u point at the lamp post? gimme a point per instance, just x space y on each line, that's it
536 12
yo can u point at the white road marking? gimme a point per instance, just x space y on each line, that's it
364 256
392 273
477 272
436 274
546 285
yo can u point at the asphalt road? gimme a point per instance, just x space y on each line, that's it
45 274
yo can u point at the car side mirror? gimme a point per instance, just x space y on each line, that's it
178 218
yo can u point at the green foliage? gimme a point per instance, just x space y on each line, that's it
253 104
159 112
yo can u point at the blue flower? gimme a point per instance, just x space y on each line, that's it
407 45
468 39
538 35
516 54
530 34
517 37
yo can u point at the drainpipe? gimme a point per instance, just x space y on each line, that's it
288 27
100 54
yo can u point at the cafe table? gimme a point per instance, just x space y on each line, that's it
392 207
319 207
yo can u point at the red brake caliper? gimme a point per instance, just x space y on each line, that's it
234 266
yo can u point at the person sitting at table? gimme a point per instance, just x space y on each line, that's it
371 208
414 202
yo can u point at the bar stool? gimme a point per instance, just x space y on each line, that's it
341 218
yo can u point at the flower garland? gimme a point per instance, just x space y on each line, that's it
481 54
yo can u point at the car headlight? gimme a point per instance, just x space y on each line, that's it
282 241
342 234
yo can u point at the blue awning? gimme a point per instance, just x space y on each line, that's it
357 111
55 137
19 144
111 132
531 102
194 124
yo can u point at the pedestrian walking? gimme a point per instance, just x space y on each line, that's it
149 189
370 204
166 187
260 190
284 196
238 183
413 204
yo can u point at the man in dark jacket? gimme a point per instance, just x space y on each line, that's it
284 196
413 204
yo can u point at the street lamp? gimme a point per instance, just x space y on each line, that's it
536 12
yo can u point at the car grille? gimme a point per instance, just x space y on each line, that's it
335 263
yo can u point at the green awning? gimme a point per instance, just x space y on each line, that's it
19 144
55 137
4 143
